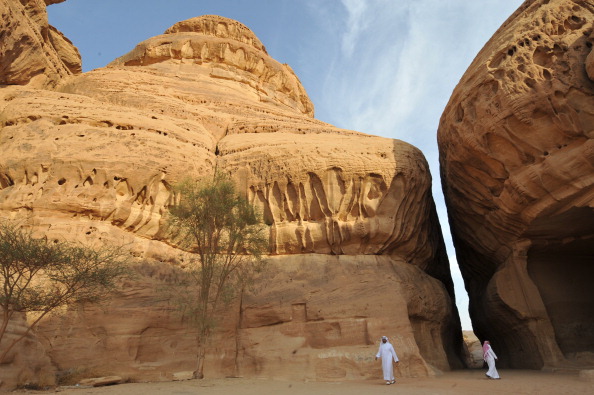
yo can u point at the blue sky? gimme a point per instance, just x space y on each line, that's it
382 67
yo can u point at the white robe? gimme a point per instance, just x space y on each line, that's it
490 359
386 353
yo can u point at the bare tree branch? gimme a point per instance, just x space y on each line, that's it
40 276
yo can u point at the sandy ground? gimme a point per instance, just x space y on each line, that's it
459 382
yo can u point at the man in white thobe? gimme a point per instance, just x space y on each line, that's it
490 357
387 354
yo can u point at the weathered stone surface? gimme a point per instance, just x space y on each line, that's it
185 375
315 317
27 362
332 334
517 164
102 381
30 47
356 250
474 350
233 52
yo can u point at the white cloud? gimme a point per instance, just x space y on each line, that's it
356 23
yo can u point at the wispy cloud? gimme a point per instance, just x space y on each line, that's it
399 63
356 24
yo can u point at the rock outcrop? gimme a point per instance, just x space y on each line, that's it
31 364
474 351
517 165
30 48
356 250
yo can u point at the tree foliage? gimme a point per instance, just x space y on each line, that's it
225 235
39 276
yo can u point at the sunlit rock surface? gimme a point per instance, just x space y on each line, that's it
516 147
355 246
30 48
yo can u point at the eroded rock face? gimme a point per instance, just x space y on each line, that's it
300 325
30 47
30 362
517 161
234 53
356 251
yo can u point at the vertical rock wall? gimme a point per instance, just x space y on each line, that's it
517 165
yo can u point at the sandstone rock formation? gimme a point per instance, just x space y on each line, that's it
474 350
517 164
31 364
356 249
30 48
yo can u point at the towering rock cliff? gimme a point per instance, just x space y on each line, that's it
355 246
517 164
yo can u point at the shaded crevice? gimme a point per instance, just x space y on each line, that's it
562 270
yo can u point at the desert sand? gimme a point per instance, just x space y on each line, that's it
456 382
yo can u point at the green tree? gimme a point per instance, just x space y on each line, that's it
225 236
39 276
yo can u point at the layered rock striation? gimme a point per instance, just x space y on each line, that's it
517 165
355 246
30 48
